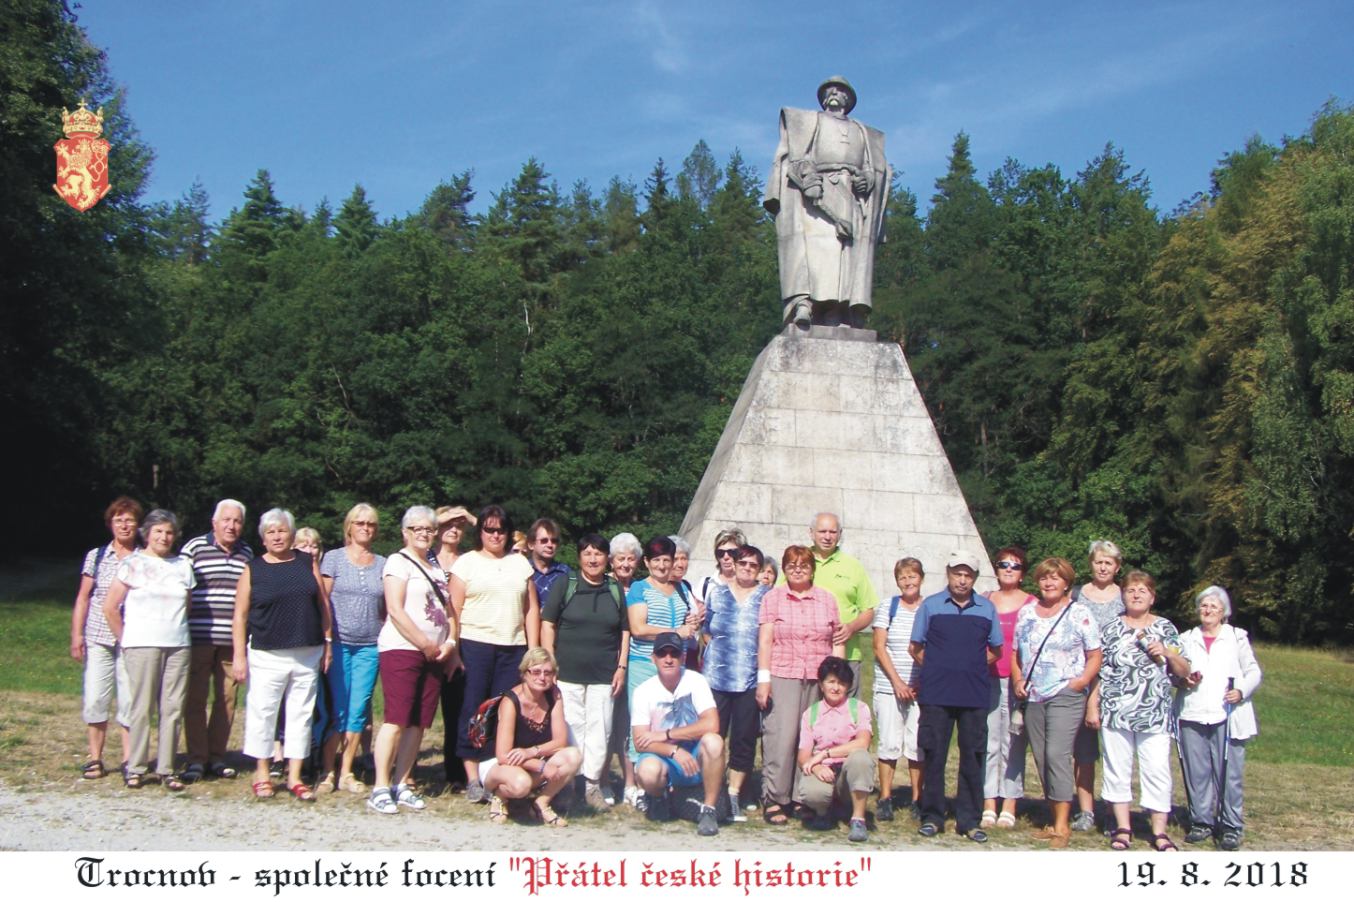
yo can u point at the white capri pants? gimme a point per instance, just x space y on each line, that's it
104 669
896 726
292 673
588 708
1004 772
1154 767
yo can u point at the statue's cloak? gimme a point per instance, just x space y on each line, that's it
815 261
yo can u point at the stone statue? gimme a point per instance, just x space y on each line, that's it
828 188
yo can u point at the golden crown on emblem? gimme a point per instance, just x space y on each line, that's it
82 121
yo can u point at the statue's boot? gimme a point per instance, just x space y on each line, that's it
800 312
860 315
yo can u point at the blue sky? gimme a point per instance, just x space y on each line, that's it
329 94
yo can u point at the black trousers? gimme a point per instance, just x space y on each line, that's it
933 735
738 723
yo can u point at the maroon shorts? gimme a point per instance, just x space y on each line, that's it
412 686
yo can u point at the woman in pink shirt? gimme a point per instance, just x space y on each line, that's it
798 629
834 751
1005 777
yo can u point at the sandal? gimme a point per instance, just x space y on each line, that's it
988 820
93 770
1120 839
1162 843
775 815
498 813
174 784
133 781
382 802
263 789
549 817
349 783
301 792
1006 820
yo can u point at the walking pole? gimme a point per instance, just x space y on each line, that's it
1226 753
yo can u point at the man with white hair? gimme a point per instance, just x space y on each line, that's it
845 577
218 559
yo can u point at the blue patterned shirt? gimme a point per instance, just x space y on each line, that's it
731 656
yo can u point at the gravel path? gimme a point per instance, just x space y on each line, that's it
150 819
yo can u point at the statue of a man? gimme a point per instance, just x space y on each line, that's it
828 188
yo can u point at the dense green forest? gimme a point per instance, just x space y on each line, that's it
1182 383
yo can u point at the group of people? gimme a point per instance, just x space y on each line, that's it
534 663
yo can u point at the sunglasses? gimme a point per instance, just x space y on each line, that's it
1009 565
725 552
667 653
540 671
494 530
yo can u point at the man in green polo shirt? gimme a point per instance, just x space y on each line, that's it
845 578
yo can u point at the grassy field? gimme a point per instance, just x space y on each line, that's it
1300 769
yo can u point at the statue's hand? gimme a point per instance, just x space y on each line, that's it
813 191
861 183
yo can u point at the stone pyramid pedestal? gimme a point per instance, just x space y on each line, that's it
831 420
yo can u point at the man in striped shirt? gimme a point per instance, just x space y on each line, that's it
219 557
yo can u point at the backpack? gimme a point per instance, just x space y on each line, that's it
483 723
852 705
571 589
893 607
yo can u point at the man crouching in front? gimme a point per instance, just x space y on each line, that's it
676 729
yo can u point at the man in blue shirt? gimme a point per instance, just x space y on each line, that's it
542 543
955 637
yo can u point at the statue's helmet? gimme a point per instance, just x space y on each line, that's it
842 83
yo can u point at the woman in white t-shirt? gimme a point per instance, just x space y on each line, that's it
417 650
497 618
147 610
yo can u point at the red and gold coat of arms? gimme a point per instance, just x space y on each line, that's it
82 159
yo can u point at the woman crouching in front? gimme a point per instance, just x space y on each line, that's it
532 754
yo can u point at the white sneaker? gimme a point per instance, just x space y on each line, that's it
633 795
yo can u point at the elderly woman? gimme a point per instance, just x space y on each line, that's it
416 651
584 623
1131 704
727 543
769 573
282 634
93 642
147 611
797 625
834 751
655 605
1005 777
1216 719
351 576
1103 598
625 554
732 625
895 686
498 617
452 521
1057 659
532 755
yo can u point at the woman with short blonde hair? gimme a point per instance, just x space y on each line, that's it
352 577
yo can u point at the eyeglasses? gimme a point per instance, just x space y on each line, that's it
547 540
493 530
421 530
541 671
725 552
1010 565
750 563
797 566
365 524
